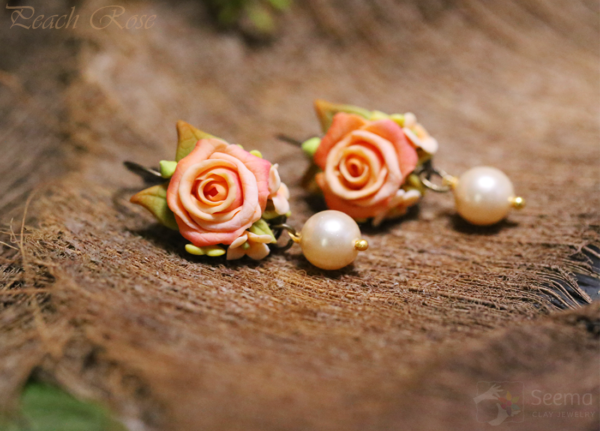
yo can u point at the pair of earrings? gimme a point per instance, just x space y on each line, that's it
369 166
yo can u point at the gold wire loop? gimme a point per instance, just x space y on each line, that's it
292 232
428 171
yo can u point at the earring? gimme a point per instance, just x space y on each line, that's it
227 201
371 165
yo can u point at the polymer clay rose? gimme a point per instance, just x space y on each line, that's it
217 192
364 164
218 195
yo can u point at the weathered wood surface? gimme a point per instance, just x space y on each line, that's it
400 340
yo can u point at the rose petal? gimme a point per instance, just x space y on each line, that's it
411 197
252 237
235 253
274 180
341 126
388 179
407 155
260 168
239 242
203 149
258 251
280 201
335 202
201 237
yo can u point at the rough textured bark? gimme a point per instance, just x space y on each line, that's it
100 300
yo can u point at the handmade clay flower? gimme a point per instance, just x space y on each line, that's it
217 195
363 164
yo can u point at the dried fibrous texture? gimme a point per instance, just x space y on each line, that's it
399 340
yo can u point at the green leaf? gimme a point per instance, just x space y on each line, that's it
209 250
47 408
154 200
167 169
281 4
326 111
261 227
256 153
187 137
310 146
261 18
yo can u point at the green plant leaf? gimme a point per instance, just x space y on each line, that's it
187 137
261 18
261 227
47 408
154 200
281 4
326 111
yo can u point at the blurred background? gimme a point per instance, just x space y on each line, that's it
165 341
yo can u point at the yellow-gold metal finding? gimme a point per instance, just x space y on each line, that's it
448 181
361 244
294 235
517 202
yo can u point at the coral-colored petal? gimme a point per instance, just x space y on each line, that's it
335 202
259 167
342 125
407 155
201 237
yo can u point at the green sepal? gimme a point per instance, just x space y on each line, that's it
378 115
414 182
261 227
269 215
398 118
167 168
256 153
310 146
326 111
187 137
154 200
209 250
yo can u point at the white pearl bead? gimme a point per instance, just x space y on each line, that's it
327 239
483 195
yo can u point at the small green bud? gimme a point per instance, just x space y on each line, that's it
196 251
256 153
310 147
167 168
214 251
210 250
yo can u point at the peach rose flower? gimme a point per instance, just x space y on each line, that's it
219 190
364 164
